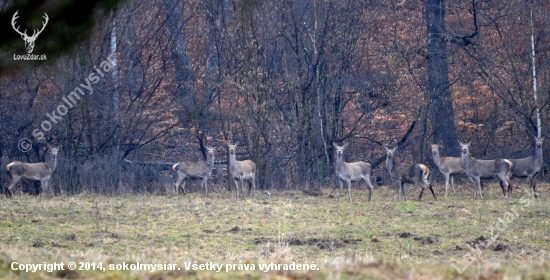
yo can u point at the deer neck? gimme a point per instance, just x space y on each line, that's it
437 159
466 160
233 161
538 154
210 161
51 162
339 162
389 164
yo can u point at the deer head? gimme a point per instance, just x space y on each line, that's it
340 149
390 152
29 40
464 148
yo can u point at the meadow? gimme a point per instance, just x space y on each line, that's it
493 238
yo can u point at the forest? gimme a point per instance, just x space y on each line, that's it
131 87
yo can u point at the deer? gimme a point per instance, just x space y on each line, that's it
190 170
478 169
529 167
351 172
32 172
241 170
29 40
413 173
448 166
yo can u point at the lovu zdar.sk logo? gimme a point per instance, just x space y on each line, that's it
29 40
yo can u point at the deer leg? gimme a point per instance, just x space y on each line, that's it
447 175
349 190
532 185
473 186
237 187
14 180
203 186
403 190
178 182
241 180
421 192
510 187
452 184
341 186
478 181
399 191
45 188
253 186
247 194
432 189
369 184
182 186
506 185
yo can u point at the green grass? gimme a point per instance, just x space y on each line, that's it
382 239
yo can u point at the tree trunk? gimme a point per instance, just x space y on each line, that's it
182 64
438 91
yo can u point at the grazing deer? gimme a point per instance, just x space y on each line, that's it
201 170
529 167
448 166
402 173
241 170
351 172
41 171
478 169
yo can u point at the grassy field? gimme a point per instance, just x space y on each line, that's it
334 239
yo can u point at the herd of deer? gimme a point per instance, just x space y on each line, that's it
348 172
417 173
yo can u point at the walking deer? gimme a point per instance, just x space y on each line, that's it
415 173
241 170
200 170
529 167
31 172
478 169
448 166
351 172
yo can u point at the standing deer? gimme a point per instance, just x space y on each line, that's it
41 171
201 170
478 169
351 172
402 173
241 170
529 167
448 166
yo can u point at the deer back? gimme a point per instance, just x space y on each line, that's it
197 169
246 166
451 164
404 172
31 171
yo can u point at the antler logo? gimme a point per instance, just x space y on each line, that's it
29 40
